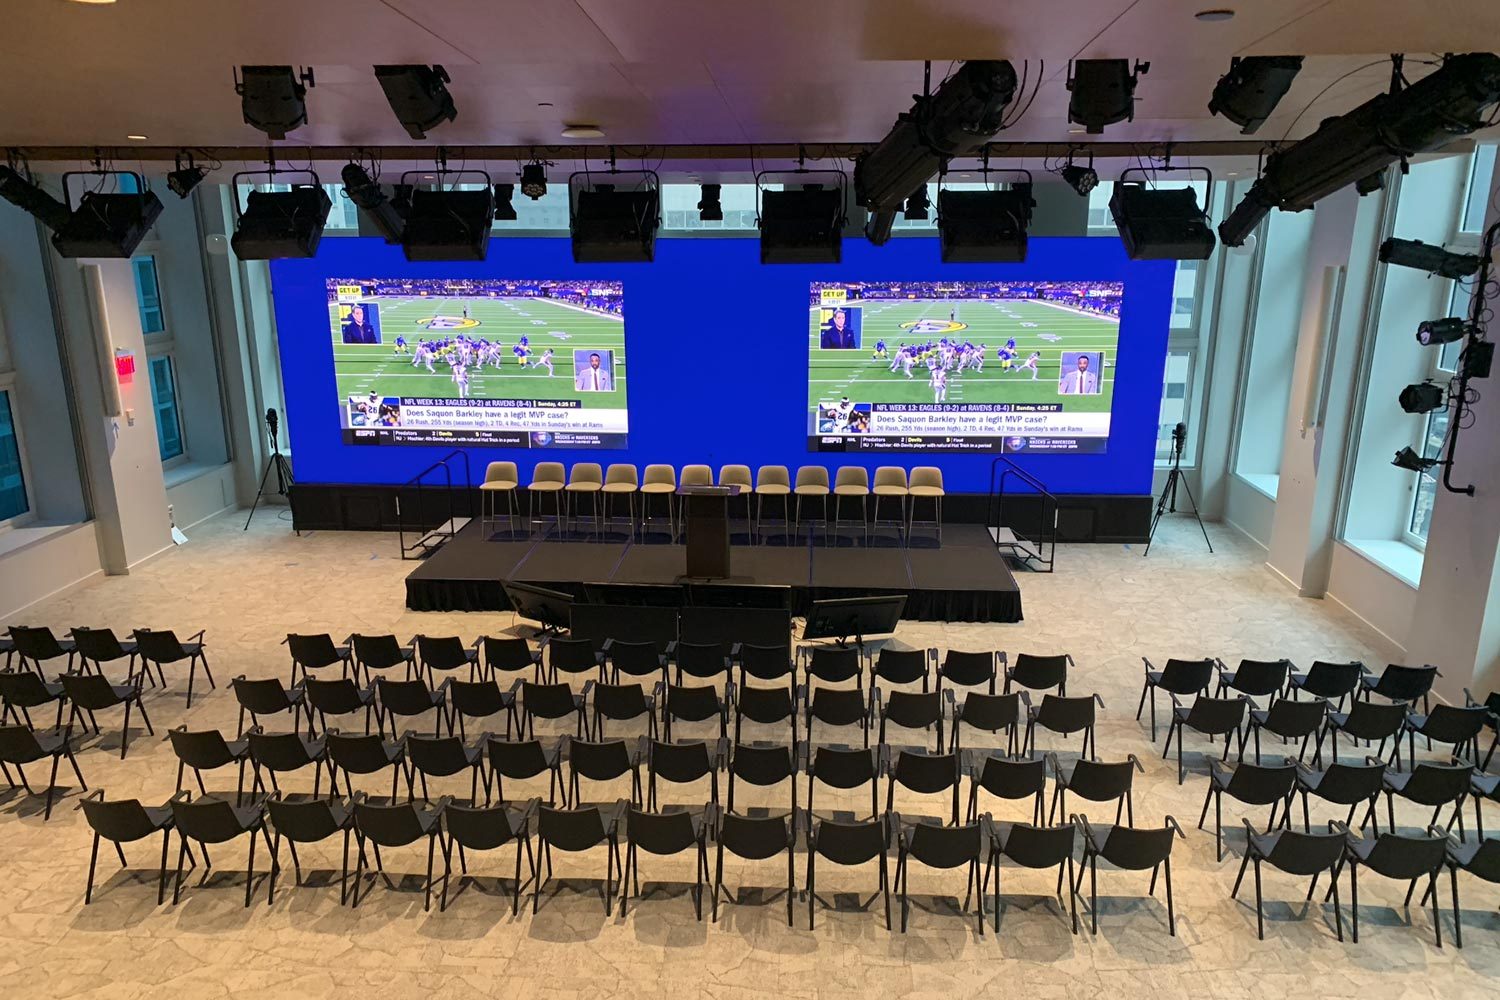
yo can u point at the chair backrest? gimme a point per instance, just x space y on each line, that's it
622 474
735 475
925 773
501 472
404 697
333 697
754 838
1373 720
586 474
1345 784
306 821
550 473
18 745
571 829
1454 723
283 751
660 475
437 755
1298 853
517 759
968 669
442 652
620 701
1033 846
1099 780
1137 849
599 761
1437 784
361 754
1040 672
680 763
98 644
1402 683
1216 716
120 820
1186 676
261 696
1065 714
913 709
850 843
766 706
204 750
927 477
1261 677
312 651
702 659
1287 717
773 475
852 475
476 699
392 825
1261 784
767 663
208 820
638 659
991 712
547 701
24 689
812 476
692 704
159 645
840 768
890 475
507 654
378 652
762 765
902 666
571 656
1405 857
1008 778
1332 680
833 664
837 706
697 475
944 846
36 643
661 833
482 828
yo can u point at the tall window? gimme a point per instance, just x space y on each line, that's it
1175 393
164 399
148 295
14 503
679 207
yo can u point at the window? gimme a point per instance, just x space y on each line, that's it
164 399
1427 484
13 500
1175 394
148 295
679 208
1476 198
550 211
344 215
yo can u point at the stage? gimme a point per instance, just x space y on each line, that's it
962 580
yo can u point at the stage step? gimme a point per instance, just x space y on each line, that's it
434 539
1014 544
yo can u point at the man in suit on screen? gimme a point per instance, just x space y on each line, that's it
357 327
1079 381
594 378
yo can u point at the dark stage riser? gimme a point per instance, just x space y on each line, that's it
963 579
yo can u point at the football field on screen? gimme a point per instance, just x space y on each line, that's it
1036 326
363 368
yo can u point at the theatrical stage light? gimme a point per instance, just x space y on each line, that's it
534 180
1427 257
418 95
31 199
384 213
802 225
1252 88
1080 179
1441 331
272 98
611 225
984 227
183 179
917 205
1103 92
1422 397
451 224
1371 182
1409 460
709 208
504 210
278 224
1161 223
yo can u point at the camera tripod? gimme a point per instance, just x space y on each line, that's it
1167 502
276 462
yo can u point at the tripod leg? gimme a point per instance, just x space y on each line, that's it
1196 516
270 463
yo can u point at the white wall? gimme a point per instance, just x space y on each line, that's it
63 559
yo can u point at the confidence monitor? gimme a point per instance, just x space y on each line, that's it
550 607
624 623
856 616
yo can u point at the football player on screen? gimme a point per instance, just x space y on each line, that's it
545 361
1030 364
939 384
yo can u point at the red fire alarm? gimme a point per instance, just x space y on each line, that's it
125 366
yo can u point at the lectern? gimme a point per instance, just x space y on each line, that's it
707 519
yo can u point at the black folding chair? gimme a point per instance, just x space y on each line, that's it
1480 859
640 660
1176 677
1404 859
1038 673
307 821
942 847
37 645
607 761
848 845
903 666
1254 678
766 707
683 764
622 702
211 820
286 753
1131 849
367 755
1254 785
755 838
1209 716
693 704
94 693
1035 847
843 769
1008 779
162 647
207 750
550 701
838 707
1481 787
664 834
268 697
23 690
100 646
445 654
521 761
911 710
1343 785
1291 720
1433 785
481 699
124 821
1401 684
925 774
1368 721
1296 853
766 663
316 652
1096 781
1459 727
763 766
1333 682
381 652
488 828
573 657
340 697
969 670
409 699
1492 703
704 661
446 756
1064 716
989 713
832 664
577 830
395 826
504 654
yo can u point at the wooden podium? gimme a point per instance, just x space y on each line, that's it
706 517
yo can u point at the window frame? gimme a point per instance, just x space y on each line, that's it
151 252
154 352
7 385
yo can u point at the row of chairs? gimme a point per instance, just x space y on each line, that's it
94 647
623 479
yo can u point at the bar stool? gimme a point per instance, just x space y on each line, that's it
659 480
697 475
890 481
546 477
851 481
926 481
773 481
812 481
738 475
621 479
585 478
499 477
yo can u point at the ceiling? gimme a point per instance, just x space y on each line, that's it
654 72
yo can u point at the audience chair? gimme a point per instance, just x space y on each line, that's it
1492 703
621 479
1481 787
1368 721
1333 682
848 845
446 756
664 834
367 755
1400 684
577 830
211 820
640 660
890 482
21 745
547 479
772 481
23 690
766 707
503 654
521 761
125 821
911 710
683 764
585 479
381 652
8 647
100 646
1036 847
1209 716
1007 778
1349 785
1177 677
409 699
852 481
831 664
844 769
1129 849
1037 673
990 713
499 478
1404 859
314 652
1063 716
1254 678
550 701
1480 859
1295 853
1291 720
572 657
394 826
268 697
812 481
755 838
283 753
926 774
971 670
1096 781
340 697
607 761
706 661
926 484
903 666
1254 785
693 704
94 693
660 480
838 707
207 750
623 702
763 765
309 821
765 663
488 828
443 654
1433 785
1460 727
480 700
162 647
36 645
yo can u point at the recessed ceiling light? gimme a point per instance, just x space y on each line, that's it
427 177
138 138
544 104
1217 14
964 177
1231 173
1076 131
582 132
97 3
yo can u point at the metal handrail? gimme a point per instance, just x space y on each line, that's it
420 546
1045 553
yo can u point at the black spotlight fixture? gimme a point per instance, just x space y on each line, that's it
504 210
1422 397
1103 92
803 224
418 95
709 208
534 180
451 224
20 191
106 225
986 227
1371 182
1441 331
1409 460
1081 179
1252 88
380 211
1426 257
611 222
1161 223
184 178
917 206
278 224
273 98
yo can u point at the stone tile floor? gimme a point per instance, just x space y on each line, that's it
1106 605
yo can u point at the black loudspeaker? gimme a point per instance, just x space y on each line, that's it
613 226
107 225
281 223
1162 224
448 225
984 227
802 226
